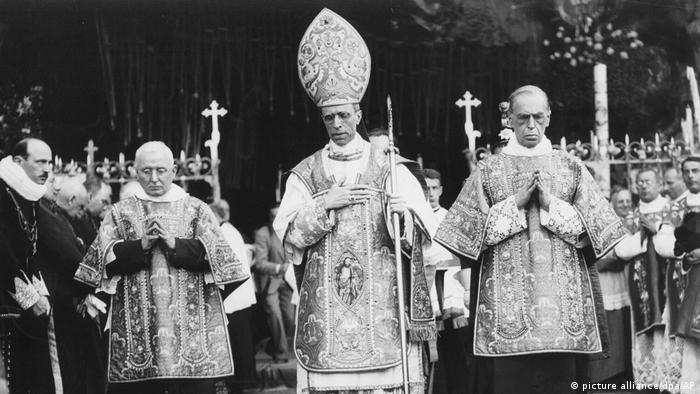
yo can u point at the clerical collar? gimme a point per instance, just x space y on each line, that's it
515 149
655 205
174 194
15 177
351 151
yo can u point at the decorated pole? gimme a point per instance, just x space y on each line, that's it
600 88
690 74
395 220
467 102
602 133
687 127
214 111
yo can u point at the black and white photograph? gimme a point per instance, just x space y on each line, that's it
349 196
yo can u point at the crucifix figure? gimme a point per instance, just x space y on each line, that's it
467 102
215 112
91 148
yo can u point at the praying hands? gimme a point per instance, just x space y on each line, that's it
155 231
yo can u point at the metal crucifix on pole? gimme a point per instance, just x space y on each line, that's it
91 148
214 111
467 102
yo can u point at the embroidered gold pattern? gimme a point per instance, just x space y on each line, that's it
528 306
166 322
348 314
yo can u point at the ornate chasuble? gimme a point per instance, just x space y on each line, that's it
348 310
166 322
683 288
535 291
647 277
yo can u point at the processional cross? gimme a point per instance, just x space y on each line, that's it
214 111
467 102
91 148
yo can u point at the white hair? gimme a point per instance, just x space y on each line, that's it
153 147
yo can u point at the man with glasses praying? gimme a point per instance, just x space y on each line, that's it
533 220
162 256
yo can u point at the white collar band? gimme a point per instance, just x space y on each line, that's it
15 177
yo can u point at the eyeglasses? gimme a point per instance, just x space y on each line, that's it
525 118
159 171
645 182
329 118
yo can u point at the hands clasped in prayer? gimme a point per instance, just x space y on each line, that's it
535 183
340 195
156 231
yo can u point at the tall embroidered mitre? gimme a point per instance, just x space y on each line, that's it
333 61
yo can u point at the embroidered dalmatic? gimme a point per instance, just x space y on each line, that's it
166 322
656 356
647 278
347 331
680 286
536 294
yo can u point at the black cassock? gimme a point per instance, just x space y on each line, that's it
80 352
25 336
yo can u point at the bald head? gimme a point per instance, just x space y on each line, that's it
34 156
100 199
673 183
151 149
155 168
72 197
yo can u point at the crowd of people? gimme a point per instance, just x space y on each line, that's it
533 281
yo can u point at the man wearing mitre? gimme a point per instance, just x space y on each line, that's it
334 224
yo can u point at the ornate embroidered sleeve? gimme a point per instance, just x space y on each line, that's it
504 221
563 220
296 197
310 224
91 270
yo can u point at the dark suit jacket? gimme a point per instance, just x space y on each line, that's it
268 256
